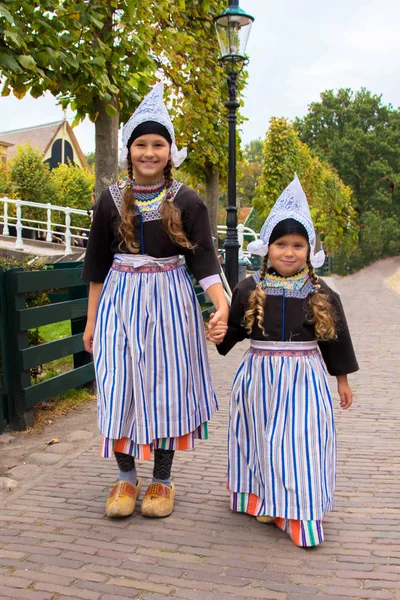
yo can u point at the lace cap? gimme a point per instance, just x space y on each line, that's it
291 204
152 108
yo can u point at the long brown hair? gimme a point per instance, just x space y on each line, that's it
321 310
170 215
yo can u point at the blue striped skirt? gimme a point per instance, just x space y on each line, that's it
150 355
282 452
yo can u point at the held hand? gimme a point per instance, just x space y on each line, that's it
217 317
345 394
216 330
88 338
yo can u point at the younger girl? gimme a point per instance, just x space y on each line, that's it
152 371
281 431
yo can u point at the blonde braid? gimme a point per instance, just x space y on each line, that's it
256 303
321 310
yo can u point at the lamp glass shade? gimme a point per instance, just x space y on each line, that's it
233 29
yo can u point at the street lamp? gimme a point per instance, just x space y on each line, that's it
233 28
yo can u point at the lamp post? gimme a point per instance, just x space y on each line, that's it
233 28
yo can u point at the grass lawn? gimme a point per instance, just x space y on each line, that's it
55 331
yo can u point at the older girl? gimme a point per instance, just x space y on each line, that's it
152 371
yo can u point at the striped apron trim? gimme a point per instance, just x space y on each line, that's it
150 356
144 451
281 445
305 534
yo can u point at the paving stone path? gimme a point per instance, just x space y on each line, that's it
56 543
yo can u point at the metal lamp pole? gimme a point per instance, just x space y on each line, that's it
231 244
233 27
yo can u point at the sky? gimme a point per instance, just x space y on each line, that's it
297 49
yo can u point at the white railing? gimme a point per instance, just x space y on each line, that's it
67 233
242 233
70 233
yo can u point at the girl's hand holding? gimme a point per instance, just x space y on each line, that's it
217 317
88 338
217 328
345 393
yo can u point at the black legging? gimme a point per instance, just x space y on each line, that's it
162 463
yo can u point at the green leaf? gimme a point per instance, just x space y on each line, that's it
111 110
99 60
13 37
6 91
28 62
6 14
8 62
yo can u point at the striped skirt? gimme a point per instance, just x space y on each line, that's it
150 355
282 452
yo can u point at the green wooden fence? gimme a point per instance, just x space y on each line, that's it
18 394
68 295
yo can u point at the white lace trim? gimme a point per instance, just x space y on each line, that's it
153 215
292 204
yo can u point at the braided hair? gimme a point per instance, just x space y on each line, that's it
170 214
257 298
321 310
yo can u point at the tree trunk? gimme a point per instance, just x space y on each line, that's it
212 195
106 137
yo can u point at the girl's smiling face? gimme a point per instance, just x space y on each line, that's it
288 254
150 154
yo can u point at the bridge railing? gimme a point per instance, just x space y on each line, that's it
243 232
68 233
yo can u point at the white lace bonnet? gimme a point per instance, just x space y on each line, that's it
152 108
291 204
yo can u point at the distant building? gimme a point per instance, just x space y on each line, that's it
243 215
4 146
56 141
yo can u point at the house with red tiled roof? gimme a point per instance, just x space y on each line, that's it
242 215
56 141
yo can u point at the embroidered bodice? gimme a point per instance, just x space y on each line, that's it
295 286
148 197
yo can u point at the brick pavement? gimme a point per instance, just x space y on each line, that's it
55 542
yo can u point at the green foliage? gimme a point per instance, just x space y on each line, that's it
32 299
330 201
248 172
30 181
72 187
379 237
5 183
30 176
67 185
248 175
91 159
100 57
188 54
360 136
253 151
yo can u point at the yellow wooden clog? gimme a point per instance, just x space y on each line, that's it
266 519
122 500
158 501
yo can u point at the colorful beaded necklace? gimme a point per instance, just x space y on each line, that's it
295 286
149 197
